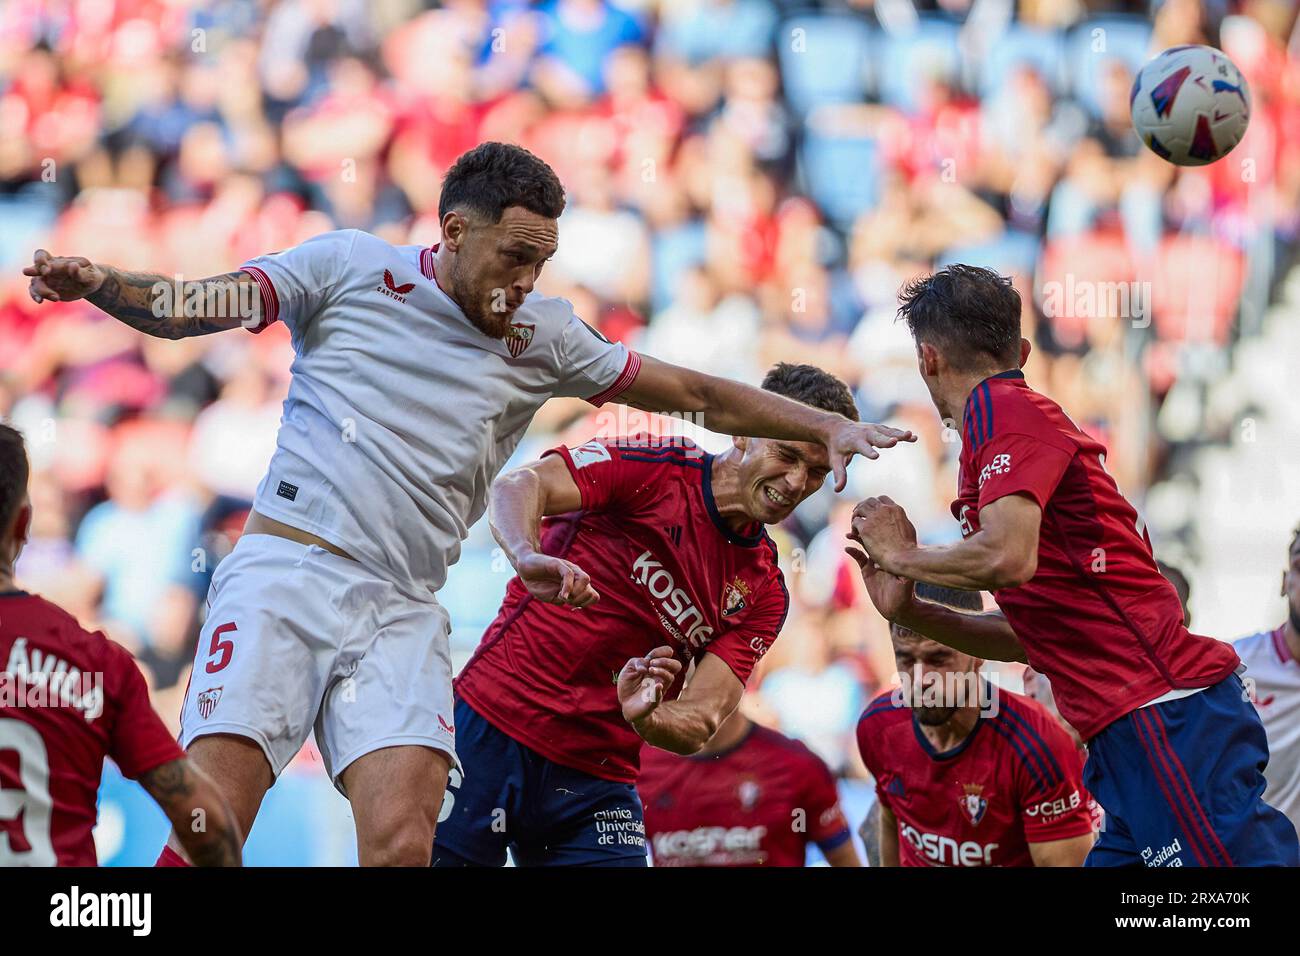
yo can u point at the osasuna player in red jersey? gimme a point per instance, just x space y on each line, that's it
68 699
968 774
662 549
416 372
1175 750
1040 688
750 797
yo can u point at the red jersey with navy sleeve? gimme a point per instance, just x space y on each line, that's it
68 699
1016 779
1098 618
669 571
758 804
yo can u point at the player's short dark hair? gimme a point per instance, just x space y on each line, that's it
812 386
1295 539
950 597
13 472
970 314
492 177
1178 580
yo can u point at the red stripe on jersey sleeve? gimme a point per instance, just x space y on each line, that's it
621 384
270 301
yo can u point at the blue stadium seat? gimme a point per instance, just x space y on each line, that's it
672 252
824 59
27 214
1127 39
907 58
1013 251
475 587
1019 46
841 173
708 31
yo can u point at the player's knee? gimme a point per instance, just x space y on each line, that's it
398 834
407 842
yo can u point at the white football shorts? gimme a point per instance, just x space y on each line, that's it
297 637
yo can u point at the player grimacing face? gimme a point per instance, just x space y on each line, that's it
496 264
777 475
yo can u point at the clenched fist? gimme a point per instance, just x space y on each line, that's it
556 581
643 681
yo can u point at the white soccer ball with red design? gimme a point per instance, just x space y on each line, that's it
1190 105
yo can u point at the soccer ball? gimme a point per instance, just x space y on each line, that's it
1190 105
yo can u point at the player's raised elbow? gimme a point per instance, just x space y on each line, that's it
525 476
512 488
1012 567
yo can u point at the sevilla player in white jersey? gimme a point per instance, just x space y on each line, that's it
1272 660
417 371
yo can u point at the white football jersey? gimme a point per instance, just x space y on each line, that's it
1273 678
400 411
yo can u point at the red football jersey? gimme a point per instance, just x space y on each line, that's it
1097 618
1016 779
68 698
758 804
669 572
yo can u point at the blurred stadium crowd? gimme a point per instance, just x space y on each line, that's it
749 181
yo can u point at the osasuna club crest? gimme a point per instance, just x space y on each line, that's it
972 802
733 597
207 701
748 792
518 337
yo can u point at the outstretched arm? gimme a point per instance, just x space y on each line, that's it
731 408
519 500
883 529
986 635
200 817
149 303
1002 554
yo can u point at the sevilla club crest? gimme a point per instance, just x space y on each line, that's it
208 701
972 802
519 337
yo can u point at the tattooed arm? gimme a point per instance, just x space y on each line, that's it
869 832
200 817
147 302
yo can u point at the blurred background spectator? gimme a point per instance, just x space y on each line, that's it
749 181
